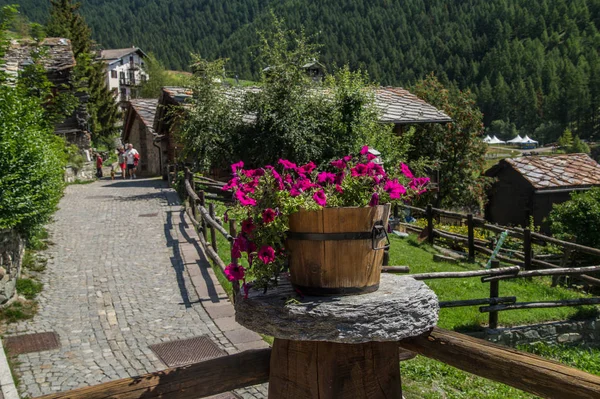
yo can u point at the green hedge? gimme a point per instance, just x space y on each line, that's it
32 159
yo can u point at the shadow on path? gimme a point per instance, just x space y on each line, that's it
177 260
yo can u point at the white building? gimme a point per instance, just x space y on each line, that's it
124 71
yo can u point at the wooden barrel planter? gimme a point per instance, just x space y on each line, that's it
337 251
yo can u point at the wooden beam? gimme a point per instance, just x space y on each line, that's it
473 273
189 382
395 269
477 302
541 305
521 370
563 271
566 244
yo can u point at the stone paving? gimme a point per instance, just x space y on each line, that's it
124 273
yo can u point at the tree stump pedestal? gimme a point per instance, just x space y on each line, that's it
339 347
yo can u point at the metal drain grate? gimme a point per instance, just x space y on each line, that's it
148 215
187 351
19 344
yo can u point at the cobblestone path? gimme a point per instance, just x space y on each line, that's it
115 284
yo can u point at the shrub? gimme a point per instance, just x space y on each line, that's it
579 217
28 288
31 163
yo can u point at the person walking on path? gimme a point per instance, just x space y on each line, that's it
122 162
132 157
98 166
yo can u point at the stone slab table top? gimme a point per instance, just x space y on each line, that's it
401 308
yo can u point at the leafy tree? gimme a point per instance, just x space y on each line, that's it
455 148
159 78
579 146
578 218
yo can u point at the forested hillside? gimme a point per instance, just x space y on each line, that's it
534 63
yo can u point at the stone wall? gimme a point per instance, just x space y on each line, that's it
584 332
12 248
86 173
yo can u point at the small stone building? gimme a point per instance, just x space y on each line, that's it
139 131
530 186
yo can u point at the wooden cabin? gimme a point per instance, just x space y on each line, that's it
530 186
139 131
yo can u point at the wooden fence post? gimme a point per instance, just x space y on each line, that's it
213 233
233 232
527 248
186 176
494 293
471 236
203 204
429 214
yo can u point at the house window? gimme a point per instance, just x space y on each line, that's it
131 59
113 74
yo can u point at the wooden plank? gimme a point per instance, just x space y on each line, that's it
471 237
395 269
472 273
213 223
429 214
494 293
541 305
499 257
566 244
563 271
189 382
477 302
530 373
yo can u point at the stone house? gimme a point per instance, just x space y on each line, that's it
530 186
124 72
59 62
139 131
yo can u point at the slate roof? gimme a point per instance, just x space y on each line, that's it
401 107
398 105
59 55
146 110
111 55
560 171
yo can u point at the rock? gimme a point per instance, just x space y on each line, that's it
401 308
569 337
2 272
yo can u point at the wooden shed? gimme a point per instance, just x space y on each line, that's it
139 131
530 186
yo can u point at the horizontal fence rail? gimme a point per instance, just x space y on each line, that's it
530 373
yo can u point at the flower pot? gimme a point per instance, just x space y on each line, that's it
337 251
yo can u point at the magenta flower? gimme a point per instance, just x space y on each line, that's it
248 226
246 288
340 164
235 252
339 178
371 157
234 272
250 249
304 184
294 192
241 243
320 198
243 199
364 150
326 177
268 215
266 253
394 189
359 170
374 200
406 171
233 183
306 169
236 166
287 164
347 158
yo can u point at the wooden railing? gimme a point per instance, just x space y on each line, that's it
530 373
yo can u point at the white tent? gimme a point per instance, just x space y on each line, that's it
487 139
496 140
516 140
528 140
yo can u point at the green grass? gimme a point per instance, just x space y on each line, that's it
29 288
81 182
419 258
17 311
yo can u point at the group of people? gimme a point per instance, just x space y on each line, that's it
128 162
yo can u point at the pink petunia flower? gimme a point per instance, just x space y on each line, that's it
374 200
359 170
406 171
287 164
370 156
268 215
233 183
394 189
306 169
320 198
235 252
339 178
340 164
304 184
294 192
243 199
236 166
248 226
364 150
326 177
266 253
235 272
241 243
339 188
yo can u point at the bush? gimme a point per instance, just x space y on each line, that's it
28 288
31 163
579 217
